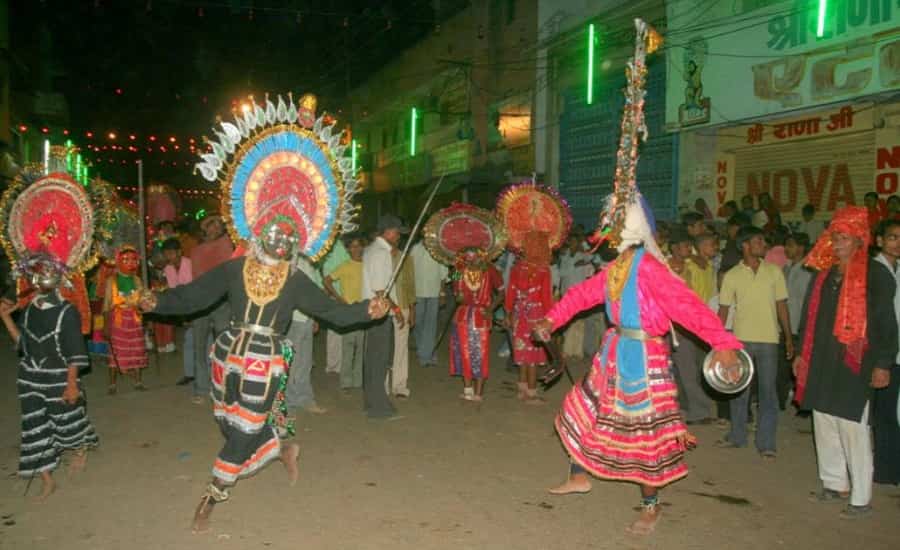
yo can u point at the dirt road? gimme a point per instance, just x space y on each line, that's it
444 474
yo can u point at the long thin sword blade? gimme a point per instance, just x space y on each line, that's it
412 235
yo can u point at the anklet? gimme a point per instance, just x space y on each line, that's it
217 494
650 503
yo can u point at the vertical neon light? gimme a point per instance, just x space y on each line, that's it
820 20
69 156
414 115
590 65
46 156
353 157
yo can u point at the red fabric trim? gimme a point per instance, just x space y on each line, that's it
812 316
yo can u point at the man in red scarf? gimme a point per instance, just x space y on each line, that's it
849 345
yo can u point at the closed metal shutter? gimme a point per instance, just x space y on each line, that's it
829 172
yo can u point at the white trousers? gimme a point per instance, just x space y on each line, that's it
333 351
844 453
398 376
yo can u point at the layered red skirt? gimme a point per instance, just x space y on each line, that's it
608 440
128 350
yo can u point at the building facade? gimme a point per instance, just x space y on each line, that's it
768 98
458 104
577 138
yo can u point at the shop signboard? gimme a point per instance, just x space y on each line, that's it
751 58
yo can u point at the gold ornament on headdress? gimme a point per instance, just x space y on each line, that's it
308 101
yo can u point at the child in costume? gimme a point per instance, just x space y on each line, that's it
48 229
469 239
622 421
529 295
283 196
475 288
127 353
537 221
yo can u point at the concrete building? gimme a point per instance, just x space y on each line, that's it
576 142
471 83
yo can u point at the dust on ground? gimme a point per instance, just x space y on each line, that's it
443 474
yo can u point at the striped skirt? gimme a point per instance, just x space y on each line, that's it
469 348
128 350
611 442
247 372
49 425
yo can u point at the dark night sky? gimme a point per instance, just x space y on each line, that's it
168 67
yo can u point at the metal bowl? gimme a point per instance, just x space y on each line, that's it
717 378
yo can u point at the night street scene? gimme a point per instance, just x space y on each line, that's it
449 274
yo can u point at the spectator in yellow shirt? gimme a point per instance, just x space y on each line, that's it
350 274
698 269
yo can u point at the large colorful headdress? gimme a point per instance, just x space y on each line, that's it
52 214
461 227
49 221
278 161
626 218
526 208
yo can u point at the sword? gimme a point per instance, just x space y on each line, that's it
409 240
446 329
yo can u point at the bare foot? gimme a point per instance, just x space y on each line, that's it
48 487
290 455
201 515
578 484
646 522
533 399
77 462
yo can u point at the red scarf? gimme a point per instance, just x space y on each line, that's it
850 323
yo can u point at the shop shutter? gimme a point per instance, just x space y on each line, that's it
828 172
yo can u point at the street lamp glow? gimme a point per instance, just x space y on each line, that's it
590 65
245 108
820 20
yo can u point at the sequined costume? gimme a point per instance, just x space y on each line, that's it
622 421
286 190
470 333
248 359
529 296
49 228
51 343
